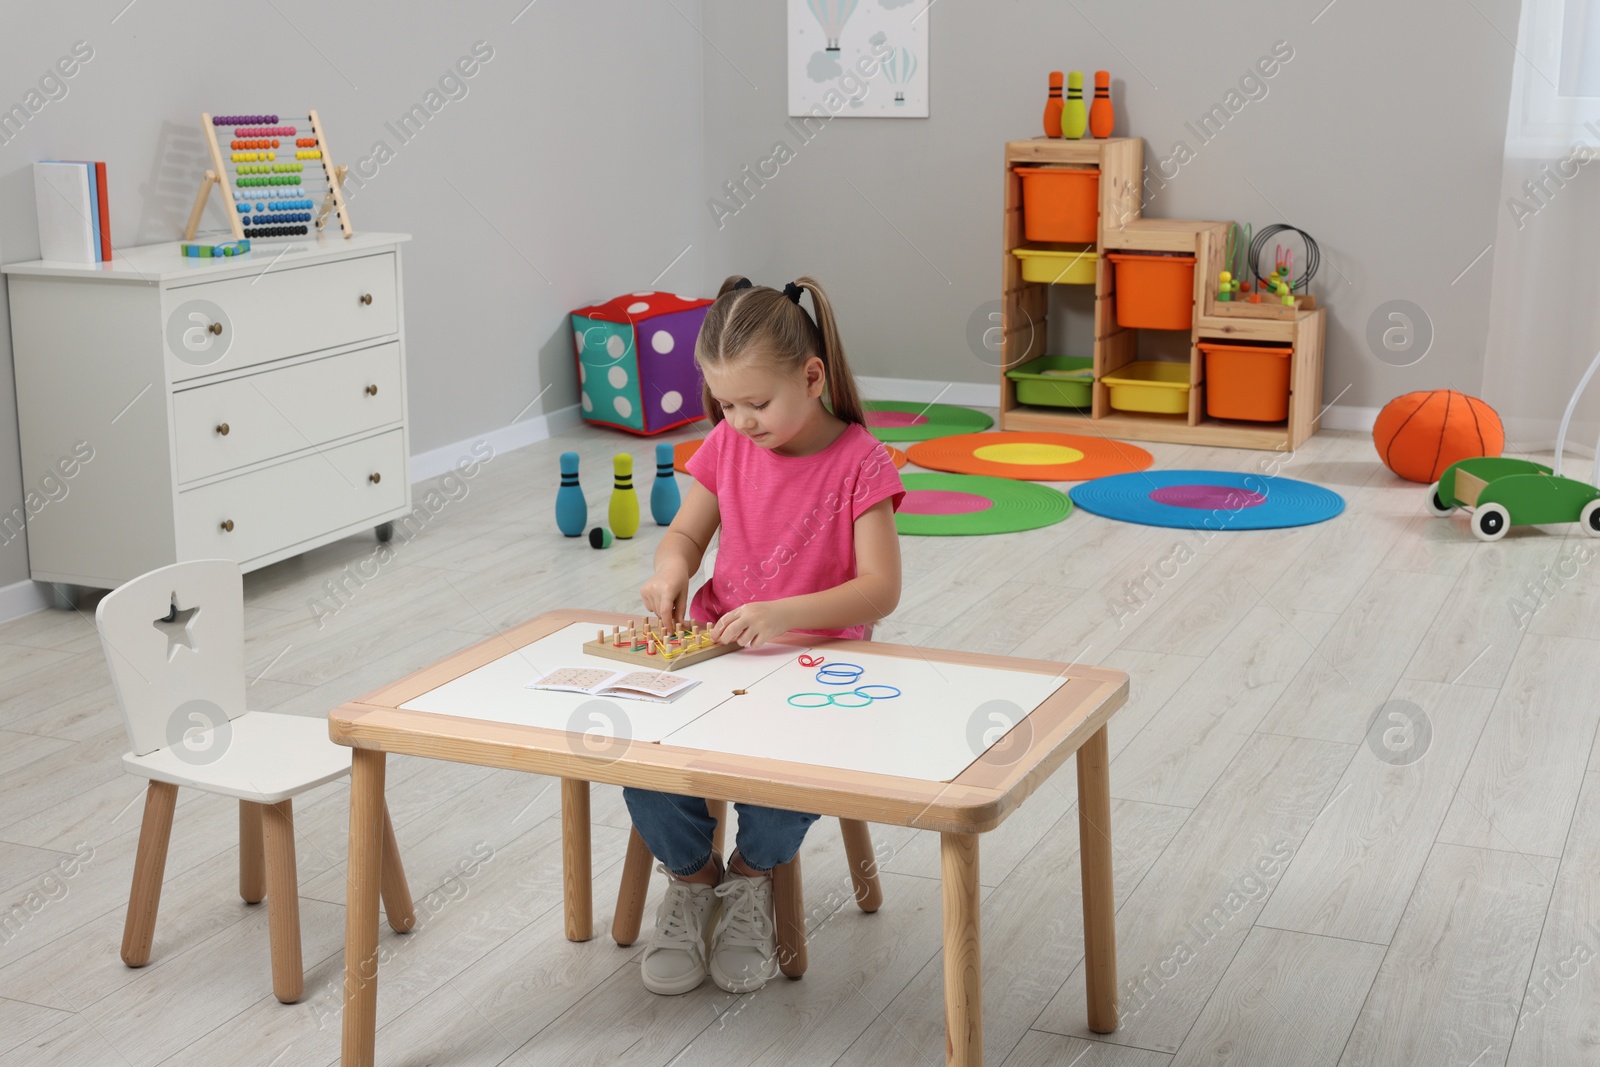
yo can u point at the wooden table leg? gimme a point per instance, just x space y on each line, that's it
397 904
1099 909
630 895
863 864
361 908
577 870
963 958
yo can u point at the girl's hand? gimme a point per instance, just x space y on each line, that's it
753 624
666 596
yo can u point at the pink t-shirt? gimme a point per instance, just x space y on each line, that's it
788 522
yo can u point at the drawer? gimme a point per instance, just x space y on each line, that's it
239 322
281 506
285 410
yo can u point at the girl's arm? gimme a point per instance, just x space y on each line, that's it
683 546
871 595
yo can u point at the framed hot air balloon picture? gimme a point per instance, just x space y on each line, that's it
858 59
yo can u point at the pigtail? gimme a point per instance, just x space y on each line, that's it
843 398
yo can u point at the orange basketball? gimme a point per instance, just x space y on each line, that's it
1420 434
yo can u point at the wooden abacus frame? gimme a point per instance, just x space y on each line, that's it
217 174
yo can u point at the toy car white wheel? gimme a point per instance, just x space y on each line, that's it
1491 521
1589 518
1436 504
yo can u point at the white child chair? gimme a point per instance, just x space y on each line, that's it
174 641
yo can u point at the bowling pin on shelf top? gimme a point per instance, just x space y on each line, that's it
1101 117
1052 106
664 499
572 510
624 512
1074 119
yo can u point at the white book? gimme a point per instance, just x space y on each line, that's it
659 687
64 202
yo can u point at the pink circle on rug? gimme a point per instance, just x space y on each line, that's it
895 419
1208 497
942 502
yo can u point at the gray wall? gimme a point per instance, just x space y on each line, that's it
579 142
1382 137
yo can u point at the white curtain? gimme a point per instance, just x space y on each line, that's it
1544 318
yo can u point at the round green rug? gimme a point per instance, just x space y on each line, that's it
903 420
951 505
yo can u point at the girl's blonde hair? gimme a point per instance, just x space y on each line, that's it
753 319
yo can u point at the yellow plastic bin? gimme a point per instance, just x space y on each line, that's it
1158 388
1057 268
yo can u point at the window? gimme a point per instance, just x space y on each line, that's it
1555 78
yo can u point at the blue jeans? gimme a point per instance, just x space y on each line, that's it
678 831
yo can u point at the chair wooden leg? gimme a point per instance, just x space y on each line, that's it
252 862
789 907
863 864
631 894
397 903
577 866
283 900
719 836
149 867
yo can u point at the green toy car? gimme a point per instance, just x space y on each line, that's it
1503 492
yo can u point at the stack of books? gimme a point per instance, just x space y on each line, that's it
74 213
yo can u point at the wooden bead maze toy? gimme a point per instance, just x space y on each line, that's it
645 644
284 181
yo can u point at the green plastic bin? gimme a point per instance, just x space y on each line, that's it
1070 386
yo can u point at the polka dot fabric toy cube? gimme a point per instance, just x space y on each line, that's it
636 367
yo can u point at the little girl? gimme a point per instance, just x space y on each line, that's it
804 496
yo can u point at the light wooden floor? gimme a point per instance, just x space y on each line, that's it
1289 891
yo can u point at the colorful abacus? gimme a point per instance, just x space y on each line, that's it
269 192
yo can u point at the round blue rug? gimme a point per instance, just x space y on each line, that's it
1207 500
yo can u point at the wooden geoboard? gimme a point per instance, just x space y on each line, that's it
946 716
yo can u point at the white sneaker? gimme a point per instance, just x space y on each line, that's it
675 961
744 948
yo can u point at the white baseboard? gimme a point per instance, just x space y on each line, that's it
1346 417
23 598
436 461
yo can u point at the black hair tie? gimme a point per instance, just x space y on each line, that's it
742 283
793 292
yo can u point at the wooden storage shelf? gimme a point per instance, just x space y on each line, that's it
1122 228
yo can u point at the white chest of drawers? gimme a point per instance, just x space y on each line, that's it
174 409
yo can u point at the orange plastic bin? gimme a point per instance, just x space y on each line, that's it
1060 203
1249 382
1154 292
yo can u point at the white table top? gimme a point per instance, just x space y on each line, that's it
946 716
164 262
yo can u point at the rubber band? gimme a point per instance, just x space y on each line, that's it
810 661
834 699
858 691
827 698
840 674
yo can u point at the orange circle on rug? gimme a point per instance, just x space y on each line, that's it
684 449
1032 457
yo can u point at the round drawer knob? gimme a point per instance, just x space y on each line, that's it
366 298
372 390
227 526
374 477
222 428
216 328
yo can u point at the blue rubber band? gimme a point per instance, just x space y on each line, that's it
828 672
858 691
